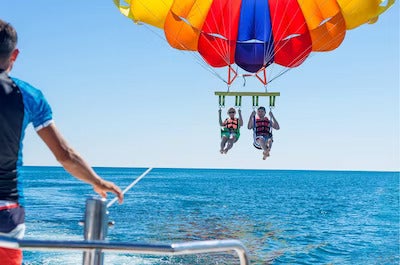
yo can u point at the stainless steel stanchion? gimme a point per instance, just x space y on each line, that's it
95 228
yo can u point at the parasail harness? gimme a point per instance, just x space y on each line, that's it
255 99
255 143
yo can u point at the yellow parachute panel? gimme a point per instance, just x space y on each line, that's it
152 12
358 12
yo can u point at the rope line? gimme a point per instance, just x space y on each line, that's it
130 186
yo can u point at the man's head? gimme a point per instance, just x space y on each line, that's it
8 44
261 112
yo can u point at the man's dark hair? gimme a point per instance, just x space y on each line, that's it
261 108
8 39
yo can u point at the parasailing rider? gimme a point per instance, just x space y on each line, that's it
230 129
262 128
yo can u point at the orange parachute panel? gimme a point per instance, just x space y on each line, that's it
184 22
325 22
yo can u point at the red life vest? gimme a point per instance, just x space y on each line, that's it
263 127
232 124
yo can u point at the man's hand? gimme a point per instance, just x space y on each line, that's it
105 186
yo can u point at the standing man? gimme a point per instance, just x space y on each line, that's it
21 104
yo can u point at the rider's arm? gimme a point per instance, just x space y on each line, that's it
240 118
274 122
250 123
220 119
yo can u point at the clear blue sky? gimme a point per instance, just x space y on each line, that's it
122 97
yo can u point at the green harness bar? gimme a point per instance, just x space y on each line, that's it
255 96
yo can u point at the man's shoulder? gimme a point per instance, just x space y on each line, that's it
32 96
26 87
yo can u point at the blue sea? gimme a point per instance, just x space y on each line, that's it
281 216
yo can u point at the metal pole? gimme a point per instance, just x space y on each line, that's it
96 224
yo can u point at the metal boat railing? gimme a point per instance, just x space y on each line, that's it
94 244
187 248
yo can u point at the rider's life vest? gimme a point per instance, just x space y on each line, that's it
263 127
232 124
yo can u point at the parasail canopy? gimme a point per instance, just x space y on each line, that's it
254 34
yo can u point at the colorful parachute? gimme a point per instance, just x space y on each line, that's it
254 33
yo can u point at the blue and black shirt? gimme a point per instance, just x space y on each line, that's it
20 104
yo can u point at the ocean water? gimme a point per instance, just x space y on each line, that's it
282 217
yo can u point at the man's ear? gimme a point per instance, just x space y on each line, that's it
14 55
12 59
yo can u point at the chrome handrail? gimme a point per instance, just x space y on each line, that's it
94 243
185 248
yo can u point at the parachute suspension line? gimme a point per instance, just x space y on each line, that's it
221 101
197 57
286 69
198 60
328 44
205 66
271 102
223 52
280 74
283 69
238 101
220 48
262 79
232 74
255 102
272 99
270 53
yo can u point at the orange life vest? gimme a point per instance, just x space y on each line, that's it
232 124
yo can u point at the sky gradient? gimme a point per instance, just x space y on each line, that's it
123 98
